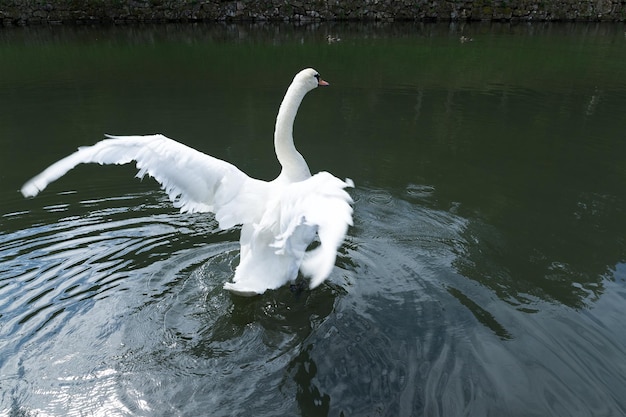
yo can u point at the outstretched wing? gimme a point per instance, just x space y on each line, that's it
194 181
322 203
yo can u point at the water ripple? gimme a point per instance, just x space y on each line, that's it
121 310
49 268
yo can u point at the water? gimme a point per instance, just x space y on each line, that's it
485 273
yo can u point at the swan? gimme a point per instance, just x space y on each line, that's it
280 220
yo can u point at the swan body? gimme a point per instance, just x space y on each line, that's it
279 219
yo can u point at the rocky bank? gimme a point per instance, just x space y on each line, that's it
31 12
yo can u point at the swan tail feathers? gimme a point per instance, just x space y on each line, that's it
241 290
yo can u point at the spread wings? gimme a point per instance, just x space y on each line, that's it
282 218
194 181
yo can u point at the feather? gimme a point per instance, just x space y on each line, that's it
280 218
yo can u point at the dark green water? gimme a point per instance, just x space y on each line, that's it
485 274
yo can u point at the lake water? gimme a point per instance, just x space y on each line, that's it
485 274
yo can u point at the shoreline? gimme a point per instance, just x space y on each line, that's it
85 12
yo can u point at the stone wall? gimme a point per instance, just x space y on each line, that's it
29 12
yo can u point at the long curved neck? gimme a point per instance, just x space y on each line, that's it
294 166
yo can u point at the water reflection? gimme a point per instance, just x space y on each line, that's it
215 350
568 264
484 274
544 198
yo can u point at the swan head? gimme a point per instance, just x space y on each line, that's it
309 79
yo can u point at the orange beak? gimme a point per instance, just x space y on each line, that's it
322 82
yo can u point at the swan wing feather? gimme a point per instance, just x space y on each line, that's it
320 203
193 181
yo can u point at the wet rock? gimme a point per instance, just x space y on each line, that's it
19 12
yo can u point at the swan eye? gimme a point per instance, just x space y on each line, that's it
318 77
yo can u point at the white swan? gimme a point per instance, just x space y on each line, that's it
279 219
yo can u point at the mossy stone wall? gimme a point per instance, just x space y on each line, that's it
29 12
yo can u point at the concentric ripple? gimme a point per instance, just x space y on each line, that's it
115 307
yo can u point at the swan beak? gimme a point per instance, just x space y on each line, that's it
322 82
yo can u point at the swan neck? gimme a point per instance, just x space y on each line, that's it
294 167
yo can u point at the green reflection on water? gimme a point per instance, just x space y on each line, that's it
519 130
